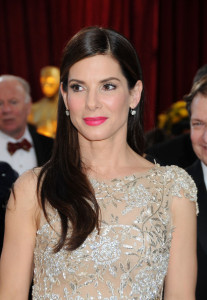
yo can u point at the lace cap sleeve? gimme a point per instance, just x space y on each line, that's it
182 182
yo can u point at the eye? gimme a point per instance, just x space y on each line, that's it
13 101
197 124
76 87
109 86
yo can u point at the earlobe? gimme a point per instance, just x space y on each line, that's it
136 94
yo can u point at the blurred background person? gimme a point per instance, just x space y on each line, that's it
44 112
197 106
177 150
20 145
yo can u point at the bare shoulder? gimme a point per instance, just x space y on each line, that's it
27 182
143 164
24 192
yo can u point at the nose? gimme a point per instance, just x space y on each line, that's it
5 108
93 100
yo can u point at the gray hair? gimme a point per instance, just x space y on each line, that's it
23 82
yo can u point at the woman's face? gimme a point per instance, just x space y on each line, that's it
98 98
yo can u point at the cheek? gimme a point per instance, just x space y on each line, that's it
74 107
195 136
75 104
17 112
21 113
118 103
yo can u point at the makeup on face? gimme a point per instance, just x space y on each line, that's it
95 121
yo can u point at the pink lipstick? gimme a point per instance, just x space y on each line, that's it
95 121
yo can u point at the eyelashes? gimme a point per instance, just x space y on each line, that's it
197 124
75 87
109 86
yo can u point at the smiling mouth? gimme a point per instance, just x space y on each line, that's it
95 121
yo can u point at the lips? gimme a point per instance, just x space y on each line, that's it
8 120
95 121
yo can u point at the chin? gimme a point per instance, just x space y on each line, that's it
95 137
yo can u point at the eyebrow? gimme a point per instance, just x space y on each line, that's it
76 80
102 81
197 120
110 78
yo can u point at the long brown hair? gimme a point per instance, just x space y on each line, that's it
62 181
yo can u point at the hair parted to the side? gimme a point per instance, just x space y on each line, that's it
199 86
62 181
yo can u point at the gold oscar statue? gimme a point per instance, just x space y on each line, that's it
44 112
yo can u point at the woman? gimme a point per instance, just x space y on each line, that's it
100 225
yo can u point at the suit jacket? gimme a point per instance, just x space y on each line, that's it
176 151
7 178
196 173
42 144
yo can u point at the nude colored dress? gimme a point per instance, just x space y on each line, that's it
129 259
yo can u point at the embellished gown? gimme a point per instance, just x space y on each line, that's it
129 259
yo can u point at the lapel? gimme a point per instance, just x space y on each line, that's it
197 174
42 144
37 145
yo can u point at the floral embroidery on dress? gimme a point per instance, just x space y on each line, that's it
129 259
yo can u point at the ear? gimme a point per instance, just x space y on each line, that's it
64 95
136 93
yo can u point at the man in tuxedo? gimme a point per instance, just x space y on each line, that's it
20 145
176 151
197 107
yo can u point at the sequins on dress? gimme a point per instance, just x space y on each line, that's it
129 259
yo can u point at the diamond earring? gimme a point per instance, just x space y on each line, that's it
67 112
132 112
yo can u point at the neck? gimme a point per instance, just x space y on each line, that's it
105 159
17 134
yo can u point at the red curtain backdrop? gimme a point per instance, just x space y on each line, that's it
169 36
182 48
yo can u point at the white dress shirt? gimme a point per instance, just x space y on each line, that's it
204 167
21 160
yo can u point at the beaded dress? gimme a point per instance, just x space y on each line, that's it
129 259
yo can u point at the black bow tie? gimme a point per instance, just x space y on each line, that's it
13 147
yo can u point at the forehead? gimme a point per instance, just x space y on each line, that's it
199 106
11 89
98 64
